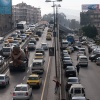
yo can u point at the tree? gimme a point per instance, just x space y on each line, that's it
90 31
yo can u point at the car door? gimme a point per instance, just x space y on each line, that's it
29 90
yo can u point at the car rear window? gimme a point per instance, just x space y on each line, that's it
21 88
72 80
1 78
36 64
83 59
33 78
77 91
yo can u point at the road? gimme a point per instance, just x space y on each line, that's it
21 77
89 78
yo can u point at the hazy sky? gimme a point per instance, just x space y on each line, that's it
66 4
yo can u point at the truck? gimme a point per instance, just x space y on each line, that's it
18 60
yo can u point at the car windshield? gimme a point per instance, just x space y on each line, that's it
44 44
72 80
38 55
22 88
36 64
33 78
1 78
69 68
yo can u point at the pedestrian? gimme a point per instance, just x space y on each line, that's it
78 68
57 85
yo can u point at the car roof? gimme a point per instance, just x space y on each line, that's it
34 75
43 43
19 85
78 97
39 53
2 74
77 85
82 56
30 43
37 60
72 77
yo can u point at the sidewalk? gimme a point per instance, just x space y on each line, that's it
51 88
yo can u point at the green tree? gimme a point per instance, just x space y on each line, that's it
90 31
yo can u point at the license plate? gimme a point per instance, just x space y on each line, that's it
32 83
20 94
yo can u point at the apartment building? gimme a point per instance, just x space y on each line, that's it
24 12
90 17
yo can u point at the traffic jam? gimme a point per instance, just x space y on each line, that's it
17 48
76 54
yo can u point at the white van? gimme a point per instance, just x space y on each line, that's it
83 60
76 90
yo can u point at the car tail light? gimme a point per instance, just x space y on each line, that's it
14 94
3 82
26 93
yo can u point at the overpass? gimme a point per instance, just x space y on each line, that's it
64 30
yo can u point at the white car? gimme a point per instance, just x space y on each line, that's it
4 80
79 98
44 46
1 60
22 91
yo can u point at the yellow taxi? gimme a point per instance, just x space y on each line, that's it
29 32
48 37
34 80
10 39
19 39
36 37
39 56
49 33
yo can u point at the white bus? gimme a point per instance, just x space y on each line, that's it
22 26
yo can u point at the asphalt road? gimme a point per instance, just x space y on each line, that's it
89 78
21 77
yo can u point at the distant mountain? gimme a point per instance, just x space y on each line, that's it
71 14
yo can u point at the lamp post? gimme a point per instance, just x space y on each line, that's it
55 32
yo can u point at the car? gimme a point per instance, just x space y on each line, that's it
48 37
29 32
70 71
15 42
36 37
67 63
82 49
31 46
23 37
34 80
70 81
19 39
32 40
10 39
98 61
44 46
4 80
1 60
80 53
37 66
40 50
14 35
39 33
76 90
39 56
49 33
22 91
83 61
93 57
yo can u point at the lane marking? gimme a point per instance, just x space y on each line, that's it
45 80
24 77
46 76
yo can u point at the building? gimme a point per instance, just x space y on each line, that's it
90 17
24 12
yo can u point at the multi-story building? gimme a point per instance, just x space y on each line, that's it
90 17
24 12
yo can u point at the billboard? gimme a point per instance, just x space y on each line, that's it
90 6
5 6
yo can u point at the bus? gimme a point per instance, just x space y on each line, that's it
70 38
22 26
